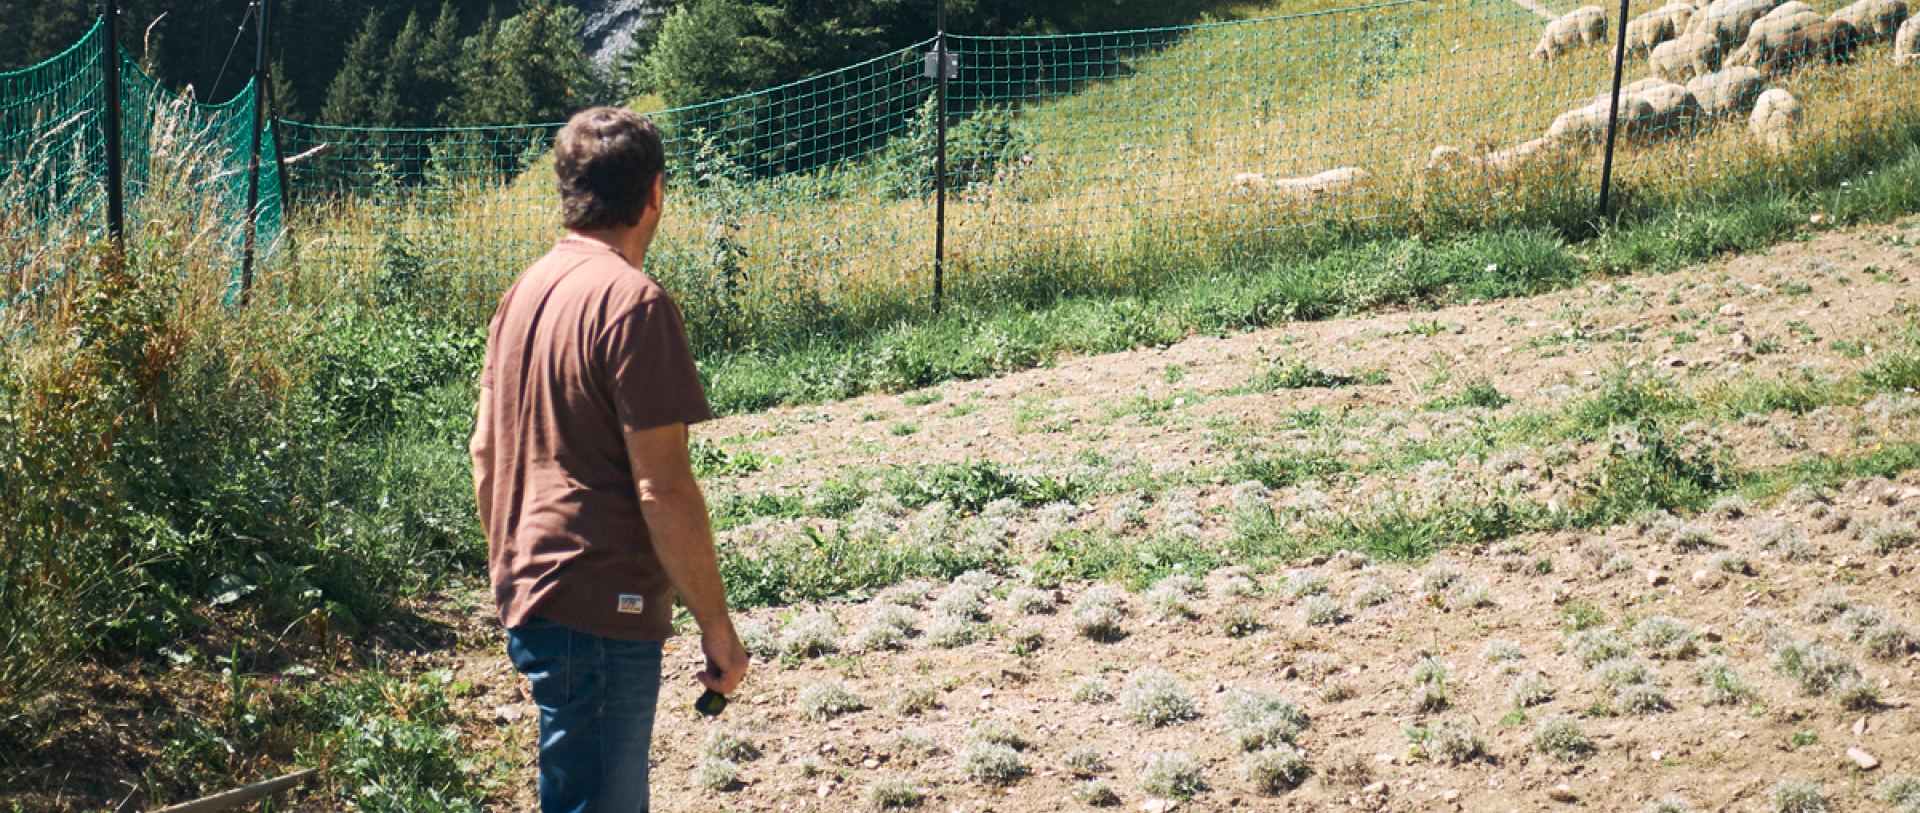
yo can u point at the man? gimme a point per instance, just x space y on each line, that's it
593 519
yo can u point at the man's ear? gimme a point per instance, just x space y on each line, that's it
657 196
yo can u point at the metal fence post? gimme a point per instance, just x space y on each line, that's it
940 158
1613 112
110 86
253 153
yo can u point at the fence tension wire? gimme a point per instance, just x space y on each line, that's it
110 84
273 131
1613 112
253 155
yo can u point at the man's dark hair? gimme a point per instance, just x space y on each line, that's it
606 159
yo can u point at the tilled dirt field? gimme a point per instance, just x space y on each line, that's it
1725 661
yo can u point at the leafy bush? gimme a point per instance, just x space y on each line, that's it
1501 650
1666 637
1095 793
714 773
1641 698
1240 621
397 743
1561 737
1454 741
992 762
1647 466
811 635
1171 776
1029 601
1530 690
1085 762
731 743
1592 646
894 793
1275 769
1796 796
1723 686
913 699
1256 720
1094 689
1098 613
827 699
1322 611
1154 697
1477 393
951 631
996 731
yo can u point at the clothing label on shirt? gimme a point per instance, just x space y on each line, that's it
630 603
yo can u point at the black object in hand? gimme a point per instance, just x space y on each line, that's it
711 703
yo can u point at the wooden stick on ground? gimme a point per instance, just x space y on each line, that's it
242 795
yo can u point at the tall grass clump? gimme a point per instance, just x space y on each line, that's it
177 460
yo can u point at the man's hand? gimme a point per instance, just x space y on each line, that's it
726 659
676 515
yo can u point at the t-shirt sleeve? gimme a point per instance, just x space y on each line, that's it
650 369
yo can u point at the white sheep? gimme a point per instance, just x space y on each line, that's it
1776 118
1906 44
1657 26
1789 7
1769 39
1443 158
1673 109
1638 86
1876 20
1725 92
1519 156
1729 20
1578 27
1686 56
1332 182
1587 125
1248 181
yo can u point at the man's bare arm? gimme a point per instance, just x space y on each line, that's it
676 516
481 449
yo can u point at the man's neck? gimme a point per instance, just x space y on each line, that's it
629 243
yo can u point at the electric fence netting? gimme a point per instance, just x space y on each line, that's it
51 153
1087 163
185 165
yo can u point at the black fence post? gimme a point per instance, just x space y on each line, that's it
1613 112
110 87
940 158
253 154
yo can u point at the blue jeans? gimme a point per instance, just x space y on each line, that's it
596 697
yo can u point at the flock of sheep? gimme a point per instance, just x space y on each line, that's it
1724 54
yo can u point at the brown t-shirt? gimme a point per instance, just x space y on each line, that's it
583 349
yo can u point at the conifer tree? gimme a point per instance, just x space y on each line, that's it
399 102
355 90
534 69
476 76
440 66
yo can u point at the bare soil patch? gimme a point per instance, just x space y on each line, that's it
1357 680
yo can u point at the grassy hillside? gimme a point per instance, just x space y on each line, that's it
1114 170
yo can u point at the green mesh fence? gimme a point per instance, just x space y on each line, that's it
51 198
1082 163
796 209
184 168
186 164
1099 163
